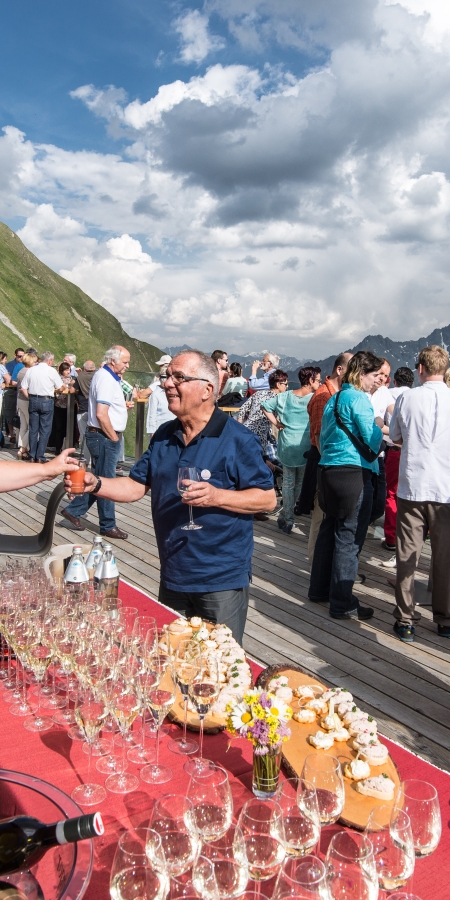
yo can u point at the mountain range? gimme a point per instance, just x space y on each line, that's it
39 308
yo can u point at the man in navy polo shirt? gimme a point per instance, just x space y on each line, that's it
204 572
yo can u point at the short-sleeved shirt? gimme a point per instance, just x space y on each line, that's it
316 407
17 368
356 411
106 388
3 372
293 440
10 365
41 380
229 456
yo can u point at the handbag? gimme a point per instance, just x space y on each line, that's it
16 421
366 452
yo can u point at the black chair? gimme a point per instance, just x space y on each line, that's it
35 544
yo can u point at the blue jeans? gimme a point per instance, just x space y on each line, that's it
105 454
335 561
41 418
292 485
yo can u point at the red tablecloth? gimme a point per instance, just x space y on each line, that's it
53 757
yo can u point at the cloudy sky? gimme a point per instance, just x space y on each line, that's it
246 174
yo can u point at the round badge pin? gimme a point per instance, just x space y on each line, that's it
206 474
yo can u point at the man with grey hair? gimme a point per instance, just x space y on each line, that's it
71 359
107 419
269 363
39 386
217 466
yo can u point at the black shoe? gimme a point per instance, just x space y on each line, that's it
360 578
444 630
318 599
387 546
405 632
359 612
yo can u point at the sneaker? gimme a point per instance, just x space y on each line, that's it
390 563
444 630
387 546
405 632
281 524
359 612
360 578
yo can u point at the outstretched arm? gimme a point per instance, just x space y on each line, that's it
16 475
121 490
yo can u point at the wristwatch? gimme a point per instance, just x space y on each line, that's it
97 486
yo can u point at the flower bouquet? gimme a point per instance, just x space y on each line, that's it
261 717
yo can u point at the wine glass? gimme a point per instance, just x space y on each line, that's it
229 860
351 869
160 700
172 820
184 672
325 774
132 876
90 713
261 824
203 692
184 888
212 801
39 657
420 801
145 682
300 816
187 474
389 829
304 879
124 706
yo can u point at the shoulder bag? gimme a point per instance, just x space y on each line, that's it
366 452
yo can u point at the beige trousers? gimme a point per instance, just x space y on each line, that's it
22 409
316 521
414 520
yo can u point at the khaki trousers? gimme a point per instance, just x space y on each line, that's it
414 520
314 528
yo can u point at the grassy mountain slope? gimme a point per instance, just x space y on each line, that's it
40 309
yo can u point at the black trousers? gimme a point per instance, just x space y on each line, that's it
379 492
224 607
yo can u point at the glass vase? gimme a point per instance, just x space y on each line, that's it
266 773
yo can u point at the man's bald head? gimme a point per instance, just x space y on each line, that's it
89 366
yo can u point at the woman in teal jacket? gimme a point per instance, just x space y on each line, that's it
345 488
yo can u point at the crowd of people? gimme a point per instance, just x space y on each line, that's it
350 449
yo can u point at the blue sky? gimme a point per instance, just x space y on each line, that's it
246 173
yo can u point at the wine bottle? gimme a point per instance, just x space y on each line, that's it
24 840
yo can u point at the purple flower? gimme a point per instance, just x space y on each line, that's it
284 731
260 731
261 751
264 701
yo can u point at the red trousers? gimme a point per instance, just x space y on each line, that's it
392 463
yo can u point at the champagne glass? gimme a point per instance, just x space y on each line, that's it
39 657
23 641
389 829
212 801
186 475
325 774
145 683
160 700
132 877
420 801
90 713
304 879
124 706
351 868
261 824
300 816
227 855
184 671
203 692
172 820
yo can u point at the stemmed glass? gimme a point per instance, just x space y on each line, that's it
389 829
351 868
227 855
160 700
184 671
187 474
325 774
172 820
39 656
124 705
420 801
261 824
203 692
22 642
304 879
300 816
131 875
90 713
212 801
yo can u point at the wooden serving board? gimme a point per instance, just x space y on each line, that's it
357 806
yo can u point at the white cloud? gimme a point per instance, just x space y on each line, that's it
196 42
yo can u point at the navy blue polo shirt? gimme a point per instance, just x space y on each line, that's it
217 557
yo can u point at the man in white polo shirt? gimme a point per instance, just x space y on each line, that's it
421 425
107 419
39 386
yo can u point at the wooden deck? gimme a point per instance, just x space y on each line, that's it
406 686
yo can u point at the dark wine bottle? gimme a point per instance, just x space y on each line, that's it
23 840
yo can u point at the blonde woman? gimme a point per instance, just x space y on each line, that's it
29 360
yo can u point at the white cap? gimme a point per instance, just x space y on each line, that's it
164 361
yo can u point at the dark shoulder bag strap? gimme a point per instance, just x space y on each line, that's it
366 452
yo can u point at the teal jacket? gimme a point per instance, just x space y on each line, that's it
356 411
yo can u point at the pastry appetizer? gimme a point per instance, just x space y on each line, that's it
357 770
305 716
321 741
379 786
375 753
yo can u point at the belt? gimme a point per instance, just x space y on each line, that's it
100 431
41 396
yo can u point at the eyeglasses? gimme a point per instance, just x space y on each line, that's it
178 378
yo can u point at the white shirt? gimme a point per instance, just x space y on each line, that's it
158 409
422 418
394 392
41 380
104 388
380 401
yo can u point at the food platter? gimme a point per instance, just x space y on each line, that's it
357 806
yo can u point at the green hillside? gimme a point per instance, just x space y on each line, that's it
40 309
